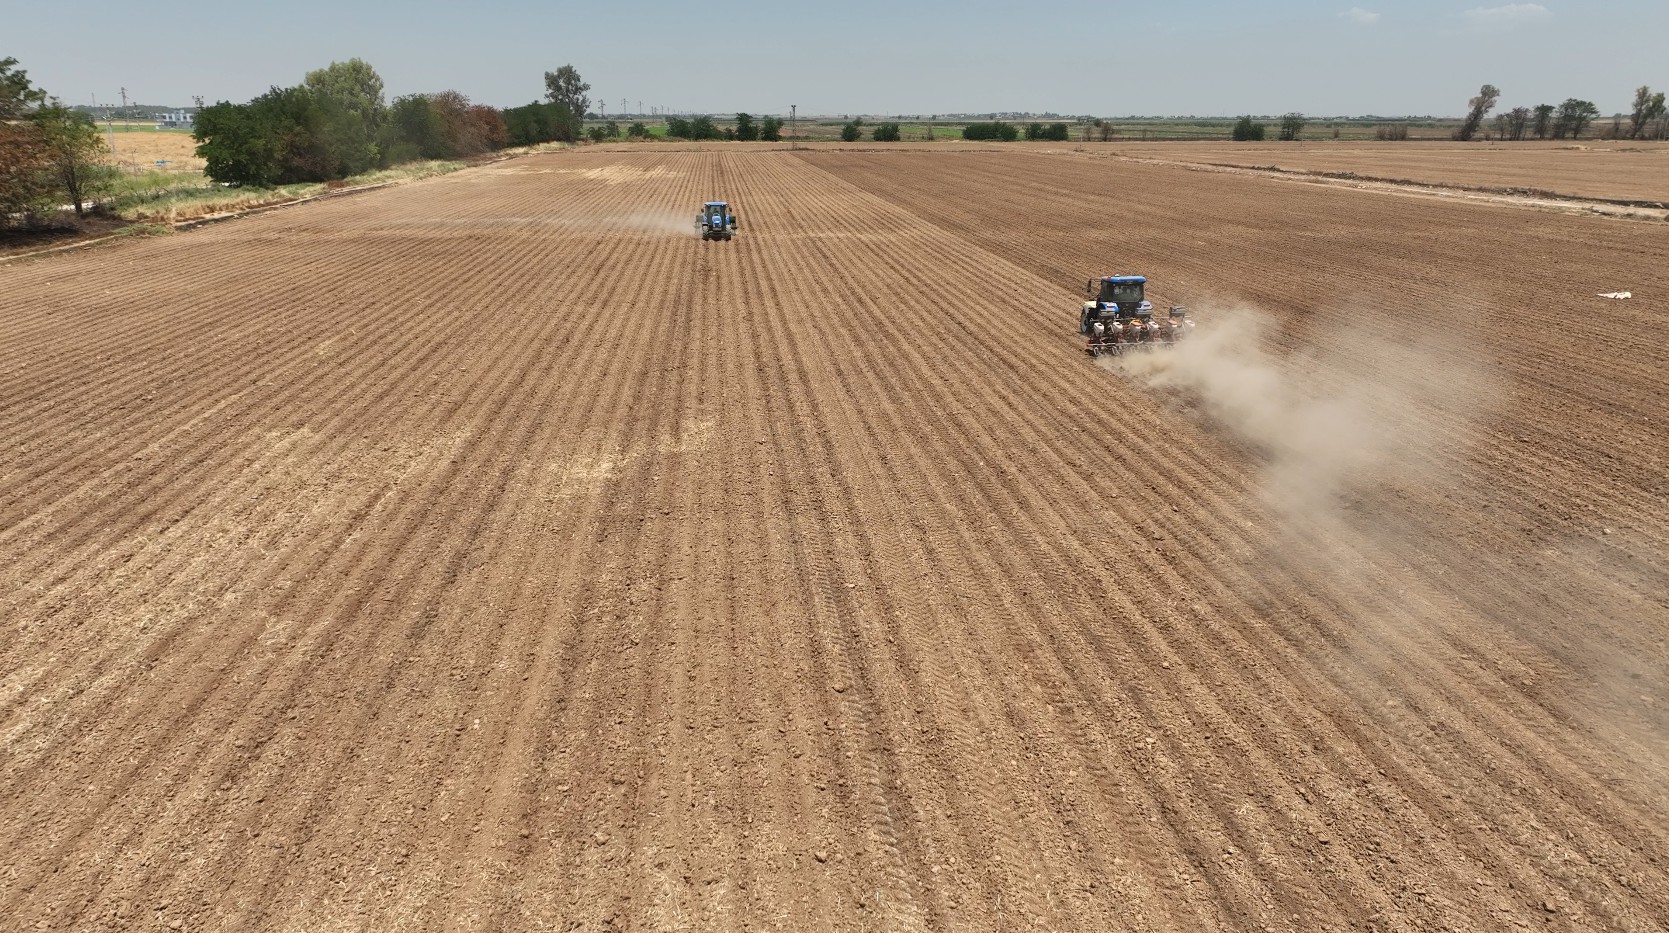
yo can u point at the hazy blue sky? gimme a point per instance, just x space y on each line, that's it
1321 57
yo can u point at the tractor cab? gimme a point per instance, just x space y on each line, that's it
716 221
1120 296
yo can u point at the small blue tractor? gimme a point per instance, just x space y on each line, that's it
716 221
1118 317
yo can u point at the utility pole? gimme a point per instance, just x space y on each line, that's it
124 103
794 124
109 127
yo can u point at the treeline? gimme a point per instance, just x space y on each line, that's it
50 155
1649 119
336 124
1008 132
768 130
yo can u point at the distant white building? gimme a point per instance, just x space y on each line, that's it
178 120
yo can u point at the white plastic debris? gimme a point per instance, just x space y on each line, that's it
1616 294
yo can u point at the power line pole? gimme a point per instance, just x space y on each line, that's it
109 127
794 124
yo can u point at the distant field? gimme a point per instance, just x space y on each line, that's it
1588 168
139 149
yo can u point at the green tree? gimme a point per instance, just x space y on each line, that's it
703 127
80 161
236 143
274 139
564 86
1247 130
852 130
353 85
679 128
1648 108
770 129
637 130
416 129
886 133
17 96
350 98
1291 125
1477 107
1034 131
746 129
1543 120
1518 119
1573 117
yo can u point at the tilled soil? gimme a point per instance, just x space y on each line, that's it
492 553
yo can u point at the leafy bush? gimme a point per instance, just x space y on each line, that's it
703 127
275 139
771 130
637 130
679 128
998 130
886 133
539 123
416 129
1391 131
1248 130
746 129
1058 132
852 130
1291 125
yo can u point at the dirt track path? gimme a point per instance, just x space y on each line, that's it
488 556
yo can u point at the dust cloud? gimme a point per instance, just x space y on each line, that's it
665 222
1350 439
1327 422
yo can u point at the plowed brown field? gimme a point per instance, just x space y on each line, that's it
490 553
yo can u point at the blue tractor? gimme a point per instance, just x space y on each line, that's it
1119 317
716 221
